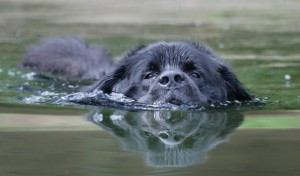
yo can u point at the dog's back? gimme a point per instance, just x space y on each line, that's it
70 57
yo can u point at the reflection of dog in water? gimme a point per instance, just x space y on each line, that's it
169 138
163 72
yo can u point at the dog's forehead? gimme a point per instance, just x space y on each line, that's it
178 52
171 48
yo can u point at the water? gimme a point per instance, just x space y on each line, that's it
118 142
42 135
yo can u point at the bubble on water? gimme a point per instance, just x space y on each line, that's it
43 97
11 73
115 117
47 93
33 99
98 117
287 77
29 76
237 102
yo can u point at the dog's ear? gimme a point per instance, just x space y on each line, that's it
234 88
108 82
121 71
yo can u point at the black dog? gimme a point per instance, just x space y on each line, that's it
164 72
69 57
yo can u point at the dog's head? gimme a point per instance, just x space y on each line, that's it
174 72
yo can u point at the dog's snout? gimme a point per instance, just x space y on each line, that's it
171 78
170 138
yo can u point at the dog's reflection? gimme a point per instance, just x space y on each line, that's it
169 138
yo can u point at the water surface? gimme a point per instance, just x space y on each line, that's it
259 40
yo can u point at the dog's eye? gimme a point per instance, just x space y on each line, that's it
195 74
149 75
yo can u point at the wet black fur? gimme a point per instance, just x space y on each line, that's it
218 83
205 77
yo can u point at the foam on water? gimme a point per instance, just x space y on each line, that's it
118 100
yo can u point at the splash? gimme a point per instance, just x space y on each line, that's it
118 100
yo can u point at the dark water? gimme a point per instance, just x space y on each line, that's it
117 142
259 40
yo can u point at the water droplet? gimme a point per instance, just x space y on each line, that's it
287 77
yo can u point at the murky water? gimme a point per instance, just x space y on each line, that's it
42 134
117 142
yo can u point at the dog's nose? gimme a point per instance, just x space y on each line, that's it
171 78
170 138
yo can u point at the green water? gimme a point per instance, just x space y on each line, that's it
259 40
